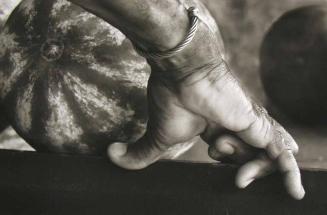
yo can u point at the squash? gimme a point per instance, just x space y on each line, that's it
293 67
69 81
3 120
5 9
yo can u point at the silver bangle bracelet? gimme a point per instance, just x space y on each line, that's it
192 13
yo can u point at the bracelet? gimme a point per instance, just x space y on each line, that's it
192 13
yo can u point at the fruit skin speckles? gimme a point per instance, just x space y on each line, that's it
58 6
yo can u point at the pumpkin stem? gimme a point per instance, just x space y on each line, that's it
52 49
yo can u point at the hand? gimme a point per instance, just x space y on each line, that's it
194 93
256 163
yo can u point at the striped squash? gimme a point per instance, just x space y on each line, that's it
5 9
69 81
3 120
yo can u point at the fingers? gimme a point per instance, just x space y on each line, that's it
266 133
225 146
281 141
144 152
134 156
228 148
289 167
137 155
253 170
233 150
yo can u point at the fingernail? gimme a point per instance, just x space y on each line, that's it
302 193
118 149
299 194
247 182
226 148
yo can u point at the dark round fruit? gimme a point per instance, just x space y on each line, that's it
294 64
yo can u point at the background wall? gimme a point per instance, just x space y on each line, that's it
5 8
243 24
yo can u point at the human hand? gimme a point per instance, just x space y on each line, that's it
254 163
195 94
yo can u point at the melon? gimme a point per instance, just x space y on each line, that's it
5 9
293 65
3 120
69 81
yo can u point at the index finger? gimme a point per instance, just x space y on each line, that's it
282 147
268 134
288 166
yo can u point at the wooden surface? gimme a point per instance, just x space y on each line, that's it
33 183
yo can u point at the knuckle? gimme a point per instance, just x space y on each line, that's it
295 148
287 161
288 155
282 141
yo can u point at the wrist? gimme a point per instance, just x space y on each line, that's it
199 48
187 76
164 30
199 58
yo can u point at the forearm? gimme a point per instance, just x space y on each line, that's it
149 23
157 25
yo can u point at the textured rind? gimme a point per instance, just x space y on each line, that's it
93 94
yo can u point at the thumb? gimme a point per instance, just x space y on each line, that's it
136 155
144 152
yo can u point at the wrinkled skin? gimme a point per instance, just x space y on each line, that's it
195 94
